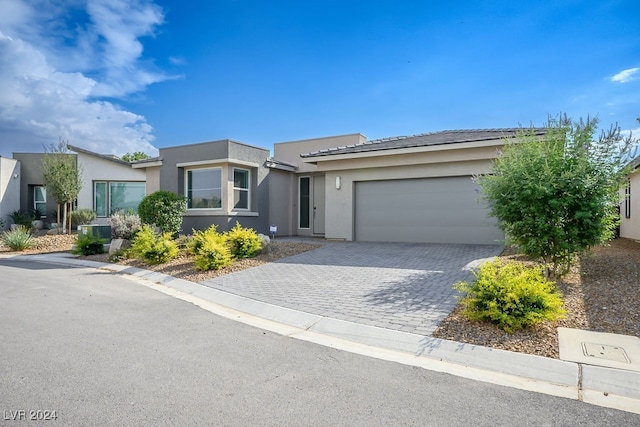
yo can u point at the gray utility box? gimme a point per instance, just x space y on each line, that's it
100 230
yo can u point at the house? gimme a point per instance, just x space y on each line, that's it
630 205
110 184
403 189
223 181
9 189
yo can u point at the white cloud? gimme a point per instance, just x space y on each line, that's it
625 76
55 71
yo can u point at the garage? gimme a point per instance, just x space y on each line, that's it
425 210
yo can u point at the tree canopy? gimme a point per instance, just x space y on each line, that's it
138 155
61 175
557 195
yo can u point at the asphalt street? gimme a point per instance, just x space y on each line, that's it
99 349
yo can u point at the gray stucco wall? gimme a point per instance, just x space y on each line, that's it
30 176
226 154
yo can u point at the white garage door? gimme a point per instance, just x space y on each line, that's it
429 210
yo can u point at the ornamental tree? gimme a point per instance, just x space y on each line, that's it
62 177
556 195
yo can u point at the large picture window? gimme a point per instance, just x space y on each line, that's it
240 188
204 188
112 196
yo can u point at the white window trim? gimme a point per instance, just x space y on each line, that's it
36 202
248 189
186 189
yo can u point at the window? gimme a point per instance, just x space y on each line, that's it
40 199
112 196
305 202
204 188
627 200
240 188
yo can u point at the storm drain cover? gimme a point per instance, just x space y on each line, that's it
602 351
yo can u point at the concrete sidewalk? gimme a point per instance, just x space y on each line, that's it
604 386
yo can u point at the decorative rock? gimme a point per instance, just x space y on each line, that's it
118 244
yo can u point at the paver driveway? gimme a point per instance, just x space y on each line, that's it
399 286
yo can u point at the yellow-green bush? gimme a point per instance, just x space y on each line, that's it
210 249
153 248
199 237
243 242
511 295
213 255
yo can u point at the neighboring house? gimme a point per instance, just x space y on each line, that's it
403 189
9 188
630 205
110 184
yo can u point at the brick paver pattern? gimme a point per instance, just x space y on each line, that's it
400 286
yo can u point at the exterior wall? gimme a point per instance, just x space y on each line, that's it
630 227
283 192
289 152
30 176
153 179
99 169
339 205
9 188
225 154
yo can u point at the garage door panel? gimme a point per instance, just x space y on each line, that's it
435 210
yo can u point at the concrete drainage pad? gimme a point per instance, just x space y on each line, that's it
599 349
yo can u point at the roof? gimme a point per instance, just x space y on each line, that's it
109 157
425 139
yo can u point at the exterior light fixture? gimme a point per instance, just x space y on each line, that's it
338 182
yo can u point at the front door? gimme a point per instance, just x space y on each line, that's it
311 205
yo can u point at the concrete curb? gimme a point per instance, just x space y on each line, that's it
608 387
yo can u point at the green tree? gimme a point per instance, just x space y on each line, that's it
557 195
62 176
163 209
138 155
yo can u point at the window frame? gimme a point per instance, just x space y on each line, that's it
241 189
36 202
108 194
186 187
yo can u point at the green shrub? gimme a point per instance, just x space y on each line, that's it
163 209
210 249
511 295
18 239
21 219
199 237
153 248
124 225
213 254
243 242
89 244
37 214
82 216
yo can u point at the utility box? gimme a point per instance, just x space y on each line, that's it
100 230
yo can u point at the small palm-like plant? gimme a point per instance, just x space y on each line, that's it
18 239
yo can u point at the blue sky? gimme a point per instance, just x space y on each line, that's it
120 76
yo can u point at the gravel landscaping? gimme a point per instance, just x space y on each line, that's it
602 293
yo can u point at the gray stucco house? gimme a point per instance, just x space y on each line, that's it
402 189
